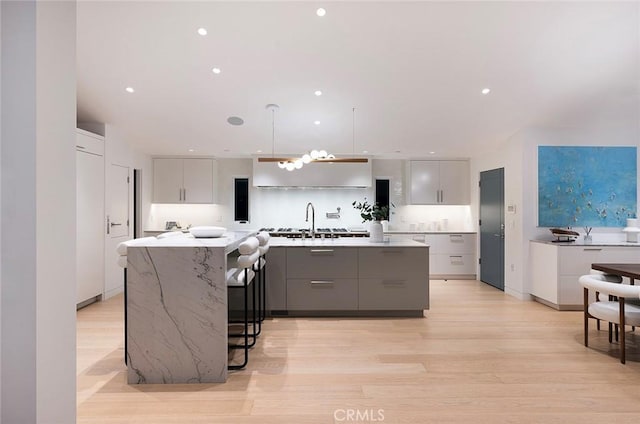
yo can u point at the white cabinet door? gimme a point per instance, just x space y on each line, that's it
198 181
454 182
167 180
90 225
439 182
425 182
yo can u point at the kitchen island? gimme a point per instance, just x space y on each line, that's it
176 302
347 277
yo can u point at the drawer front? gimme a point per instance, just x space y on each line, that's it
577 260
453 264
322 294
322 262
453 244
393 262
570 291
393 294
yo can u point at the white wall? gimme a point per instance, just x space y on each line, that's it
38 212
518 155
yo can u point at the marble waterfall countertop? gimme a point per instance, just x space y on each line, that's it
176 303
229 241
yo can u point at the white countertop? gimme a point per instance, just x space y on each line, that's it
229 241
580 242
391 232
341 242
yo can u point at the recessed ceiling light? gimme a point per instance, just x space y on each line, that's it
397 151
129 90
318 93
202 31
235 120
191 150
258 151
486 90
432 153
216 70
321 12
227 150
365 151
316 122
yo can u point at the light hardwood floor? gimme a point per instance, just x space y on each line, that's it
479 356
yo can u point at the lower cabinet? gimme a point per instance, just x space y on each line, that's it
555 270
393 294
348 279
324 295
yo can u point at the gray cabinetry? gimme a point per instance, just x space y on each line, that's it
322 278
337 294
352 280
393 279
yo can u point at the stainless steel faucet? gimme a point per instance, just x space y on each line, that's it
313 219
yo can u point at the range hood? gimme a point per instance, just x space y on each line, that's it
315 174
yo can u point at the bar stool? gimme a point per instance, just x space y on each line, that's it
241 277
263 238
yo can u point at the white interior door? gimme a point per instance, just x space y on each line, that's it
118 202
118 198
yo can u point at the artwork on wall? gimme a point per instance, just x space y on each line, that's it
586 186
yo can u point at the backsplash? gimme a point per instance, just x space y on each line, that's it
184 214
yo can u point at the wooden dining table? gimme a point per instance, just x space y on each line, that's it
631 271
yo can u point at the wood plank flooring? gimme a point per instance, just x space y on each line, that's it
478 356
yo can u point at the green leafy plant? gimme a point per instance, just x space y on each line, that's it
372 212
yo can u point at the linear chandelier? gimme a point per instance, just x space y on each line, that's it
319 156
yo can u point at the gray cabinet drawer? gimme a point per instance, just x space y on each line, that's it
393 294
322 262
393 262
325 295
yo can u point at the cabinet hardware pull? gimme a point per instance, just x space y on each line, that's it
592 250
113 224
321 250
392 251
80 147
321 282
184 195
393 282
458 256
441 196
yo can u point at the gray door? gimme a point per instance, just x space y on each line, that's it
492 227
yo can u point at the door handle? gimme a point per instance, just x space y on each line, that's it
113 224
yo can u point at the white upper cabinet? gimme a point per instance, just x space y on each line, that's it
177 180
439 182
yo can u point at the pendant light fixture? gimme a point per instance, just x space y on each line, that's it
320 156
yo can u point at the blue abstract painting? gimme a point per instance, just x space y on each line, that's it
586 186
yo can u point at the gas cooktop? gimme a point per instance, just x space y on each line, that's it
320 232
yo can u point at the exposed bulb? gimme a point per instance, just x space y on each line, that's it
322 154
282 165
290 166
306 158
298 163
314 154
331 156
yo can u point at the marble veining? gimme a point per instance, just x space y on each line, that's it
177 314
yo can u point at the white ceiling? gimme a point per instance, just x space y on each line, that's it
413 72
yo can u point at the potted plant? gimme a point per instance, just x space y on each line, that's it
374 213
